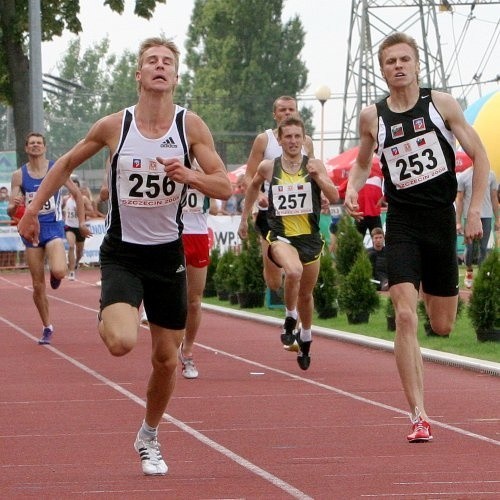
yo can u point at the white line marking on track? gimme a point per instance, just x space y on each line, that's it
246 464
221 449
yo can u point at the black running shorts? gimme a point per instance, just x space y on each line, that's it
421 249
308 246
156 274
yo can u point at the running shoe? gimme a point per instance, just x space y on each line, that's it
71 276
469 279
151 460
189 369
292 348
54 282
288 335
303 358
46 336
420 432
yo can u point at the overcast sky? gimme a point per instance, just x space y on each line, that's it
326 23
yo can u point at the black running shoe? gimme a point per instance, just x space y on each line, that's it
303 358
288 335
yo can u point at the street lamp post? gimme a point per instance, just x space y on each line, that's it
323 93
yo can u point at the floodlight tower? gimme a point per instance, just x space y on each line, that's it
371 21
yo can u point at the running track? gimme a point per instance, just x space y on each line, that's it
253 425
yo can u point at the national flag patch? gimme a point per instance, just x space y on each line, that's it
394 151
421 141
136 163
397 131
418 124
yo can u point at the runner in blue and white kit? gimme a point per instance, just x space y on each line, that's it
152 146
50 246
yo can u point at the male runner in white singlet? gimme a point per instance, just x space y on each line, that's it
152 147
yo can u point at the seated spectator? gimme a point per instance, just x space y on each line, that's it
4 203
378 259
336 212
232 206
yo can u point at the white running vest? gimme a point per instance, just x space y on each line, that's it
145 205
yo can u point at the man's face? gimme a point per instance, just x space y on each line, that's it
284 108
291 140
35 146
378 241
158 71
399 65
4 193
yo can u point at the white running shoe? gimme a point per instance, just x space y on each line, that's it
71 276
189 369
151 460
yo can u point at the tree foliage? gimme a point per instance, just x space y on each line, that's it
240 57
349 245
57 16
102 83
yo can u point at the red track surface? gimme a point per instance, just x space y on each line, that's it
252 426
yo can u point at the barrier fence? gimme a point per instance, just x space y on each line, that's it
222 229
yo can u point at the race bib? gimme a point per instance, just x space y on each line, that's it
48 207
142 182
194 202
415 161
292 199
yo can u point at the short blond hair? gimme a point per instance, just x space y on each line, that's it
395 39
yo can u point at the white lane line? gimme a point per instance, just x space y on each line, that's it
356 397
246 464
347 394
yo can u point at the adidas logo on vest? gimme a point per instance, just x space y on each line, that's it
168 143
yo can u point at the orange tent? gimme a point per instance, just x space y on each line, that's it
338 167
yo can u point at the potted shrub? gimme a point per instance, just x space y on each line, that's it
210 289
349 245
357 294
325 292
390 315
484 302
251 285
225 277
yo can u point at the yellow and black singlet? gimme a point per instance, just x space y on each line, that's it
294 201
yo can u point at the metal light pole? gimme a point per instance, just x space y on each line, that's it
323 93
35 70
